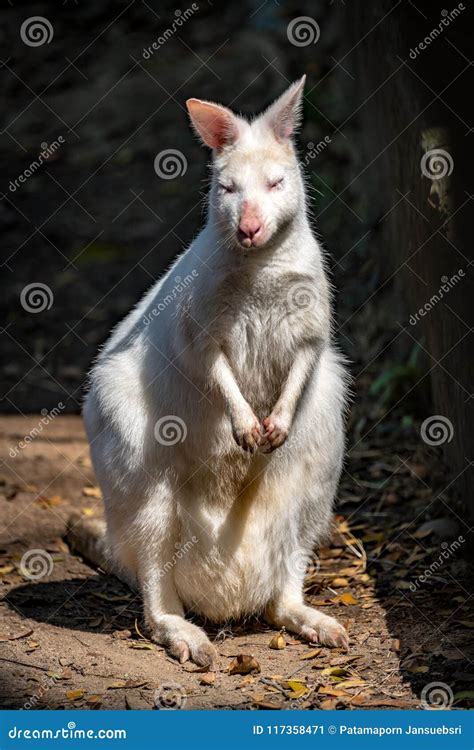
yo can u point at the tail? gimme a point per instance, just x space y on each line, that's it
87 536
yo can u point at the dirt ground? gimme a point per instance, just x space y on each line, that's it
71 636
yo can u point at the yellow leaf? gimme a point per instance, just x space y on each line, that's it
208 678
75 695
296 685
244 664
92 492
339 583
142 646
88 511
310 654
92 700
346 599
335 671
278 641
6 569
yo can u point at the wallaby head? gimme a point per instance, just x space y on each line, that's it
257 189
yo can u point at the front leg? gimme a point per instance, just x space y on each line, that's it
277 424
245 425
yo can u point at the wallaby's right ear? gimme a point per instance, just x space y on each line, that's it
216 125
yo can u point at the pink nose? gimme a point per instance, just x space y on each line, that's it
250 227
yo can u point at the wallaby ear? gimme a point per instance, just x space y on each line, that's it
216 125
284 115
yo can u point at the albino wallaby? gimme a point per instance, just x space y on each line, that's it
224 358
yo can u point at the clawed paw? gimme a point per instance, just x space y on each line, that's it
247 433
328 632
276 432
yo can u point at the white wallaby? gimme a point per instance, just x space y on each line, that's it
196 391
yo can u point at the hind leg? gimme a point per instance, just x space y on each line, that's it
288 609
154 535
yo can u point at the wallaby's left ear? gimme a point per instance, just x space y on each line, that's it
284 115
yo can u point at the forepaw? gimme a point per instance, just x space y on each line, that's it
276 431
247 432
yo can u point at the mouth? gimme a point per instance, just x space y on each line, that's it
247 242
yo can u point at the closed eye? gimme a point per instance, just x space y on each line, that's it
227 188
274 184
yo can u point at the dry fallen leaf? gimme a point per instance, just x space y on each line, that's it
244 664
339 583
93 700
92 492
208 678
75 695
6 569
347 599
278 641
116 684
141 645
311 654
327 690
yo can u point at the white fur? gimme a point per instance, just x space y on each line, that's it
226 346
